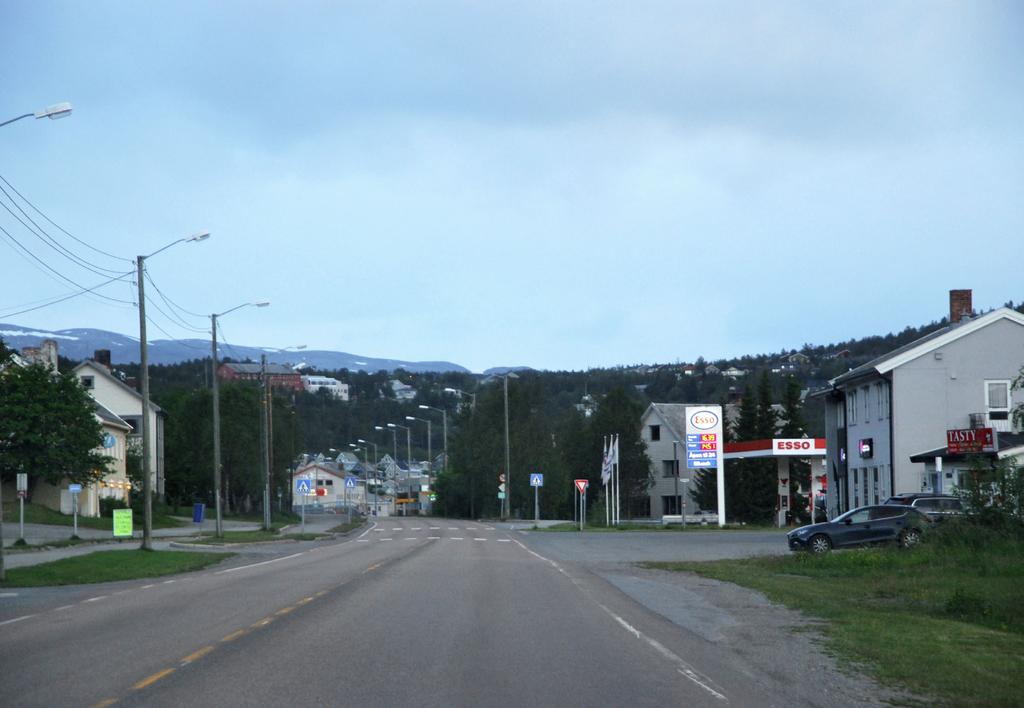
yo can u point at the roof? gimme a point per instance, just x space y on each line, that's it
103 371
1007 445
928 343
674 415
275 369
108 416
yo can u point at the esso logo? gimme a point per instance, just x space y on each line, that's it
703 420
792 444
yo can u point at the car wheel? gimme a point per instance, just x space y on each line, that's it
819 544
909 538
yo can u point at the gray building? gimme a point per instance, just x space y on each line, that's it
881 414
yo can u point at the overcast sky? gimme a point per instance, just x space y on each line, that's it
556 184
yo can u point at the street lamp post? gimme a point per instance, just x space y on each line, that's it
266 431
430 449
364 442
461 393
444 420
394 445
58 110
61 110
147 484
675 471
408 456
216 410
508 471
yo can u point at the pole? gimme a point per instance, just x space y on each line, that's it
408 447
618 499
147 484
508 471
263 444
270 440
430 450
1 532
675 469
216 426
536 506
74 516
21 518
444 420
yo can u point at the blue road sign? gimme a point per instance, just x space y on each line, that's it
197 513
350 481
690 438
536 480
696 464
302 486
75 488
109 440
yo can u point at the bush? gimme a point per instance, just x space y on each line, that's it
107 507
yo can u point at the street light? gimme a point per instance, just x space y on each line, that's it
394 444
58 110
460 392
266 430
444 419
408 443
430 449
147 485
508 472
216 408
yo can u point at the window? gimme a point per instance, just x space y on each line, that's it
879 399
840 417
851 412
856 490
668 468
655 431
997 404
874 490
669 505
867 409
88 382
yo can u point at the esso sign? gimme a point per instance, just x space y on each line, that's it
792 446
703 420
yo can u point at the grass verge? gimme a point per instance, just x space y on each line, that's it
347 526
109 566
258 536
38 514
944 619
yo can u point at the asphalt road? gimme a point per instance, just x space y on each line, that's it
421 612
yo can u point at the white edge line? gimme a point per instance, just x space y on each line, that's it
681 666
253 565
16 619
372 527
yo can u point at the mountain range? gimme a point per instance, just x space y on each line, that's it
79 344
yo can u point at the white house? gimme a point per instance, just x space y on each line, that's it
126 403
335 388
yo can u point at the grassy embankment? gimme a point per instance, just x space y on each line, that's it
110 566
37 514
945 619
676 528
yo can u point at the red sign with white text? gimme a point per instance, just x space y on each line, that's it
970 440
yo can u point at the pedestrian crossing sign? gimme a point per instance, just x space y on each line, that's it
536 480
302 486
350 481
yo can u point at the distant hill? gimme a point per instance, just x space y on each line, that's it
79 344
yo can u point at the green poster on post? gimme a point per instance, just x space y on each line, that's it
122 522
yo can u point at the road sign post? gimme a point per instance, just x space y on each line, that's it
349 482
302 489
704 446
75 489
581 485
22 492
536 481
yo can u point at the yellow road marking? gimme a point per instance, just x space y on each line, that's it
284 610
104 704
321 593
305 600
234 635
197 655
264 622
150 680
373 567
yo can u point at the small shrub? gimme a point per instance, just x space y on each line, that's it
966 605
107 507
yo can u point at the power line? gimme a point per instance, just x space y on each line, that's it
173 305
57 273
40 233
172 338
58 226
66 297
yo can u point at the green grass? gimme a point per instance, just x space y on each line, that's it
257 536
61 543
38 514
347 526
945 619
110 566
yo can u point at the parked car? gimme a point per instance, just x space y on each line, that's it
936 506
862 526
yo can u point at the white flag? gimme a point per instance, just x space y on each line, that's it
606 462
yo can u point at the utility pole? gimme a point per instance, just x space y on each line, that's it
508 472
147 485
216 426
264 424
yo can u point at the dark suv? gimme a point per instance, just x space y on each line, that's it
860 527
936 506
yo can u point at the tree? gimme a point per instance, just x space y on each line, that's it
619 414
49 428
799 469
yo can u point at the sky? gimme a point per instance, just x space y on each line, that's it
560 185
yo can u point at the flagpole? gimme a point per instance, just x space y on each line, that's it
618 499
604 479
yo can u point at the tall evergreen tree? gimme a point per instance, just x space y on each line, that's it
793 427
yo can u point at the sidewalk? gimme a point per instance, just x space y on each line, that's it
36 534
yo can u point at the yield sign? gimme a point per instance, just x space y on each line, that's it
581 484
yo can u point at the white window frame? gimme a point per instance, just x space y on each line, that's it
851 413
1004 425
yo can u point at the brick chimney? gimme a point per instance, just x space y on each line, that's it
103 357
960 307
